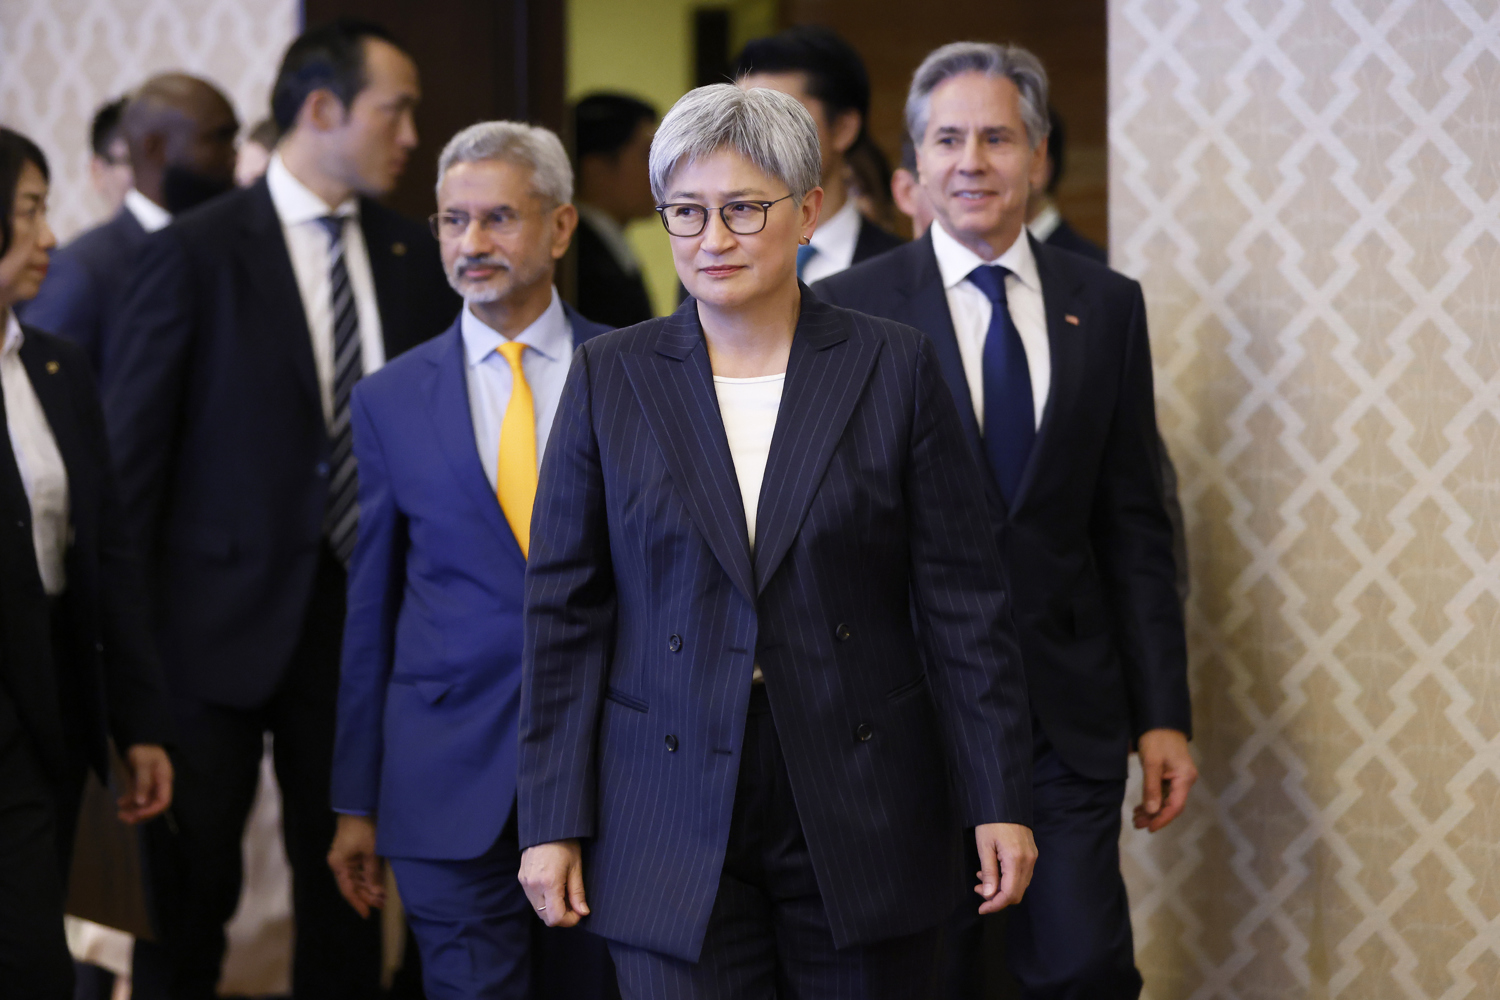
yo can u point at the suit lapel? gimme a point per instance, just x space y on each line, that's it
454 425
49 382
674 384
927 310
388 271
263 254
825 377
1061 297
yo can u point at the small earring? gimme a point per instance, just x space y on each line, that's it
804 241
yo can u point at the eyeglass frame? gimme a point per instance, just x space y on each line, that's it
486 222
765 215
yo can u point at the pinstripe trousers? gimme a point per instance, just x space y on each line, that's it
768 934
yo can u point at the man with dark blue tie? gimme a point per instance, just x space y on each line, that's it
249 321
447 440
1047 355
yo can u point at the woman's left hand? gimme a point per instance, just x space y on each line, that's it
148 786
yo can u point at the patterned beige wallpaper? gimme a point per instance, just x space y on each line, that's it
61 59
1310 192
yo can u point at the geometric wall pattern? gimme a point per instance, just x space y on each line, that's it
1310 193
61 59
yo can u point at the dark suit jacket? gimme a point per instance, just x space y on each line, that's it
646 613
607 293
1065 237
217 429
85 286
1087 542
431 684
109 679
873 241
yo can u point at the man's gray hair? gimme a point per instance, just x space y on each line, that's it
766 127
514 142
1011 62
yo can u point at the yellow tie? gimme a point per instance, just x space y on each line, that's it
515 483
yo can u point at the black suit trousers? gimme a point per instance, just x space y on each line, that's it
194 854
768 934
1069 938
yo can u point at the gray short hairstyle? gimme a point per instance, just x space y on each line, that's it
768 128
1012 62
514 142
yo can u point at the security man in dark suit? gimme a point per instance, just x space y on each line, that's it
77 665
828 77
180 132
1043 219
249 322
1046 353
612 137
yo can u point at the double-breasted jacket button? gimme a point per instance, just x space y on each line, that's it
671 744
675 643
843 632
863 732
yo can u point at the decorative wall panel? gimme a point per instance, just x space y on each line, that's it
61 59
1310 192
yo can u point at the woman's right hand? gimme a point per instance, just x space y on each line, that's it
552 875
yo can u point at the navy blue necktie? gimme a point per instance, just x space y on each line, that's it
1009 415
805 253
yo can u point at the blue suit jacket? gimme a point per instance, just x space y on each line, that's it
646 613
431 678
1087 541
85 286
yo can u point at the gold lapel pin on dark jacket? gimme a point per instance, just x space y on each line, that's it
53 368
1070 318
399 249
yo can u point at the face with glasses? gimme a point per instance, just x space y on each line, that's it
498 237
25 264
735 230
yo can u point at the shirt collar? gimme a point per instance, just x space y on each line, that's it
14 338
295 203
836 236
1045 223
550 334
148 213
611 234
956 261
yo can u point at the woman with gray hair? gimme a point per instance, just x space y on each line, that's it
756 522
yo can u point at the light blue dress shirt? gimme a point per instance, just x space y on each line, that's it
549 343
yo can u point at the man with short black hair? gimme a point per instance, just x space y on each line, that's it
612 135
179 131
248 323
823 72
109 157
1043 218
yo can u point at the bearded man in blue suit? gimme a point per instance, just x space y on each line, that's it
447 439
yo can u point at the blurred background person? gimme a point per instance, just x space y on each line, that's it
870 183
908 194
1043 219
255 152
612 136
109 159
180 132
77 665
247 325
444 533
827 76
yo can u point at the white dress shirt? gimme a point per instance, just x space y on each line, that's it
971 310
834 239
1045 223
307 242
43 474
611 235
549 342
148 213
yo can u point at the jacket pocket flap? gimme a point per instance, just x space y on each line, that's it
629 701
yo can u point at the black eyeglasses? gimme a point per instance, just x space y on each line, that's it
743 218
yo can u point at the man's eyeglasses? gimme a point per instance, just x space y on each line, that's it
453 225
743 218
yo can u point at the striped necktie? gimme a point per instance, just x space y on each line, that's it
341 517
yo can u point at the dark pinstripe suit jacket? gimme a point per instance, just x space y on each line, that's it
646 612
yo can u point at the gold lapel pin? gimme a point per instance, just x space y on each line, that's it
1069 317
53 368
399 249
